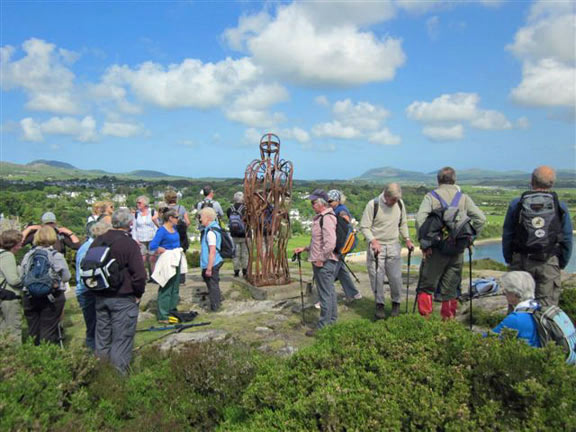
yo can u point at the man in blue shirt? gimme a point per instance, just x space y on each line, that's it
537 241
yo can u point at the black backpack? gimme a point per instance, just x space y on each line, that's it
100 271
236 221
346 239
227 247
40 278
445 230
538 219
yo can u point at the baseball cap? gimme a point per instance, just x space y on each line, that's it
318 193
48 217
334 195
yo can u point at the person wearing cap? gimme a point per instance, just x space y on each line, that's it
336 200
64 236
323 258
383 220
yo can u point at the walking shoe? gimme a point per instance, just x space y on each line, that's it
236 273
380 313
317 305
357 296
311 332
395 309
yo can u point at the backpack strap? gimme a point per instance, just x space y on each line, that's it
376 206
456 199
443 203
401 206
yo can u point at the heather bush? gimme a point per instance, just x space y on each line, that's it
412 374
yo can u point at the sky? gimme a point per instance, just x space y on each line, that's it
190 87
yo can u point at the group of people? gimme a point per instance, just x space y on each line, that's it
536 247
149 245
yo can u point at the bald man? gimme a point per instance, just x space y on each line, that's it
537 235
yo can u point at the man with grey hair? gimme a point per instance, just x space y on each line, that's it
518 287
117 308
383 221
440 269
537 235
237 225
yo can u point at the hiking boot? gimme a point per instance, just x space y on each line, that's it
395 309
380 313
311 332
236 273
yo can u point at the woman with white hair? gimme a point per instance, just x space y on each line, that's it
519 289
237 225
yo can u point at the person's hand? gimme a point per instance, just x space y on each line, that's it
137 300
299 250
375 246
209 272
426 253
319 263
65 231
410 245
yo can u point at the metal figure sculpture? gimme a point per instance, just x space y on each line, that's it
267 197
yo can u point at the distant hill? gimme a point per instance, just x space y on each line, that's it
52 163
147 174
480 177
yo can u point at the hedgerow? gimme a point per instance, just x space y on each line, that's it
412 374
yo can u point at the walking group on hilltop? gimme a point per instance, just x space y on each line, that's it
126 249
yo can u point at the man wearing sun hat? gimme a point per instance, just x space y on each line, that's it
64 236
321 255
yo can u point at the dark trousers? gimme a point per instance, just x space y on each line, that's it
87 302
116 319
43 317
213 285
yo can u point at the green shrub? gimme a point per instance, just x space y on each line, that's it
568 302
193 258
412 374
488 264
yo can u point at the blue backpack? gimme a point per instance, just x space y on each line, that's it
236 222
40 278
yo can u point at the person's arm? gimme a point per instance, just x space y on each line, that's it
133 233
28 234
404 230
566 243
155 218
218 209
211 242
186 218
328 235
478 217
509 322
136 270
61 267
508 231
70 239
158 237
367 221
10 270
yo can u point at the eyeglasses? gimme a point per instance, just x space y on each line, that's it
330 201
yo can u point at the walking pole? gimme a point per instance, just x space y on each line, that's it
419 278
294 258
350 270
375 287
470 288
408 279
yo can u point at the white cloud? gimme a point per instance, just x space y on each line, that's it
522 123
360 120
433 27
43 76
546 45
316 43
384 137
255 118
80 130
444 133
448 107
295 133
335 129
491 120
546 84
322 101
122 129
362 115
421 7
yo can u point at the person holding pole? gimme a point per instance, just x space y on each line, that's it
383 221
323 258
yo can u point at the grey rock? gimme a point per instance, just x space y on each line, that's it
145 315
264 330
178 339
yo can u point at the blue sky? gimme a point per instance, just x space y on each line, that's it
188 88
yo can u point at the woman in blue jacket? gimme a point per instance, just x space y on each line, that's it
519 289
210 259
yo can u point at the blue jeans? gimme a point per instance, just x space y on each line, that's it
324 277
87 302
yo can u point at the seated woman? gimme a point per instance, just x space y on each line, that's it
519 288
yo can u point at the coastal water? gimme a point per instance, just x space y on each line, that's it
493 250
